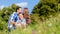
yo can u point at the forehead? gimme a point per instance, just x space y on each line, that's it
20 8
25 9
20 15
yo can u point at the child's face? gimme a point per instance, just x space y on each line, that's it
20 16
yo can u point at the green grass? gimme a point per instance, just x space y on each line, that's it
49 26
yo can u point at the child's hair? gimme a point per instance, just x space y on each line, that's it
20 13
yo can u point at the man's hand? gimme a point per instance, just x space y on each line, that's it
12 22
18 25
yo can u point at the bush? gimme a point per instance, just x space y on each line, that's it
3 25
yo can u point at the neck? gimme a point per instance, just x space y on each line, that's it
20 18
17 13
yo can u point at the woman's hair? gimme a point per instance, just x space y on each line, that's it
25 8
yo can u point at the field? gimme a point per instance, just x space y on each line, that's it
49 26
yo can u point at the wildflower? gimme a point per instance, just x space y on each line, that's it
49 24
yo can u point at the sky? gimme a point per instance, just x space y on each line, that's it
23 3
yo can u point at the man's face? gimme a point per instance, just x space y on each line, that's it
19 10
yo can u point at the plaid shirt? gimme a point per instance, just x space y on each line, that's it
13 17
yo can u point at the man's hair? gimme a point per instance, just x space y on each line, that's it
17 8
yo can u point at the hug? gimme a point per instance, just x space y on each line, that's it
19 19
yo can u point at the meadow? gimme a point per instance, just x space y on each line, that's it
49 26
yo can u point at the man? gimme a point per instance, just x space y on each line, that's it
13 18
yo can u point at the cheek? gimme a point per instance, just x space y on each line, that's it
20 10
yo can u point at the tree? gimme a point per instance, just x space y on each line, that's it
4 15
46 7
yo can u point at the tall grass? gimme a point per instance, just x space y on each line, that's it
49 26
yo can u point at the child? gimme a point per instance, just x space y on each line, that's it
21 22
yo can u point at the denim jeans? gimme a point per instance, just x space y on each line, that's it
11 28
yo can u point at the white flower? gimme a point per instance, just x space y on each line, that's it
49 24
52 32
39 31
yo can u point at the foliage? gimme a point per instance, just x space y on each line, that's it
39 18
50 26
46 8
4 15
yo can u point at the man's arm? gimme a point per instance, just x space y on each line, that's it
12 22
12 19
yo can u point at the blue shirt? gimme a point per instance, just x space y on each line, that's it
13 17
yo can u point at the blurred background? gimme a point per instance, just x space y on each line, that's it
44 14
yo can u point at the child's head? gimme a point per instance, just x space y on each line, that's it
20 15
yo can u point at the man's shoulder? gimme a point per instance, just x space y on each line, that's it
14 12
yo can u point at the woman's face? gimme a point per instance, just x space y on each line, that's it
25 10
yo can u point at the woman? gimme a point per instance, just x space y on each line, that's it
27 16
